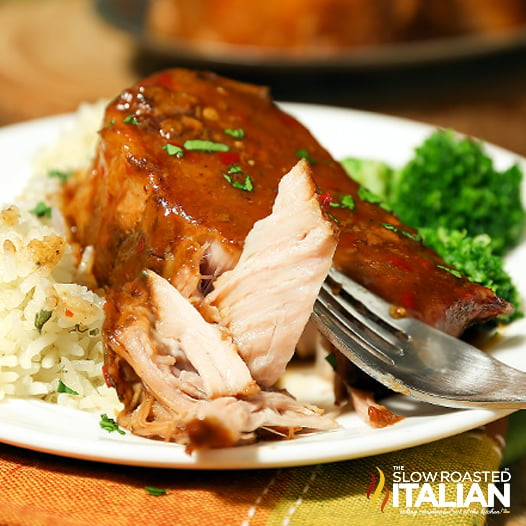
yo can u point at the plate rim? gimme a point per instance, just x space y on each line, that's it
463 420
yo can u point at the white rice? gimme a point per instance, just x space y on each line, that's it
50 323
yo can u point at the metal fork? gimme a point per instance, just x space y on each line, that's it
409 356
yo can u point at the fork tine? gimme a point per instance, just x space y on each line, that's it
375 305
410 357
357 320
339 327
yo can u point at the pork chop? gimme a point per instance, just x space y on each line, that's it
182 186
184 148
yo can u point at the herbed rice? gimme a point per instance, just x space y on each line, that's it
50 322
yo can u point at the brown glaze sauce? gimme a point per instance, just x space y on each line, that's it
138 200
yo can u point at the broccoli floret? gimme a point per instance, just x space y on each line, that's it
452 183
461 206
475 257
375 175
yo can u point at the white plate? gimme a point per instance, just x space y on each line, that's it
49 428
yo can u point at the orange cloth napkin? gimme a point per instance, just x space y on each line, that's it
40 489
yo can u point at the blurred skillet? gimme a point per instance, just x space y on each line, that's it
130 16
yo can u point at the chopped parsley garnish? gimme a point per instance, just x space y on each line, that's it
41 210
109 424
41 317
131 119
63 388
237 133
80 329
452 271
205 146
366 195
61 175
156 492
370 197
234 169
172 149
414 237
304 154
331 360
393 228
346 201
247 185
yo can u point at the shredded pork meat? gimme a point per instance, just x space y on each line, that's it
204 368
267 299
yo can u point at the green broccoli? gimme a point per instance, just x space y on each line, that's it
375 175
474 257
452 183
462 207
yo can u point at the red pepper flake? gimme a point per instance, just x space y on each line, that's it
140 245
348 239
325 199
426 263
408 299
399 263
69 313
229 157
107 378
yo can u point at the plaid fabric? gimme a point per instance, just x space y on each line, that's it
39 489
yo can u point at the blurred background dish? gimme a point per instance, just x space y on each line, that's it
55 54
321 34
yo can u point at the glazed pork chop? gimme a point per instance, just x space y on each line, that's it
183 148
182 190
